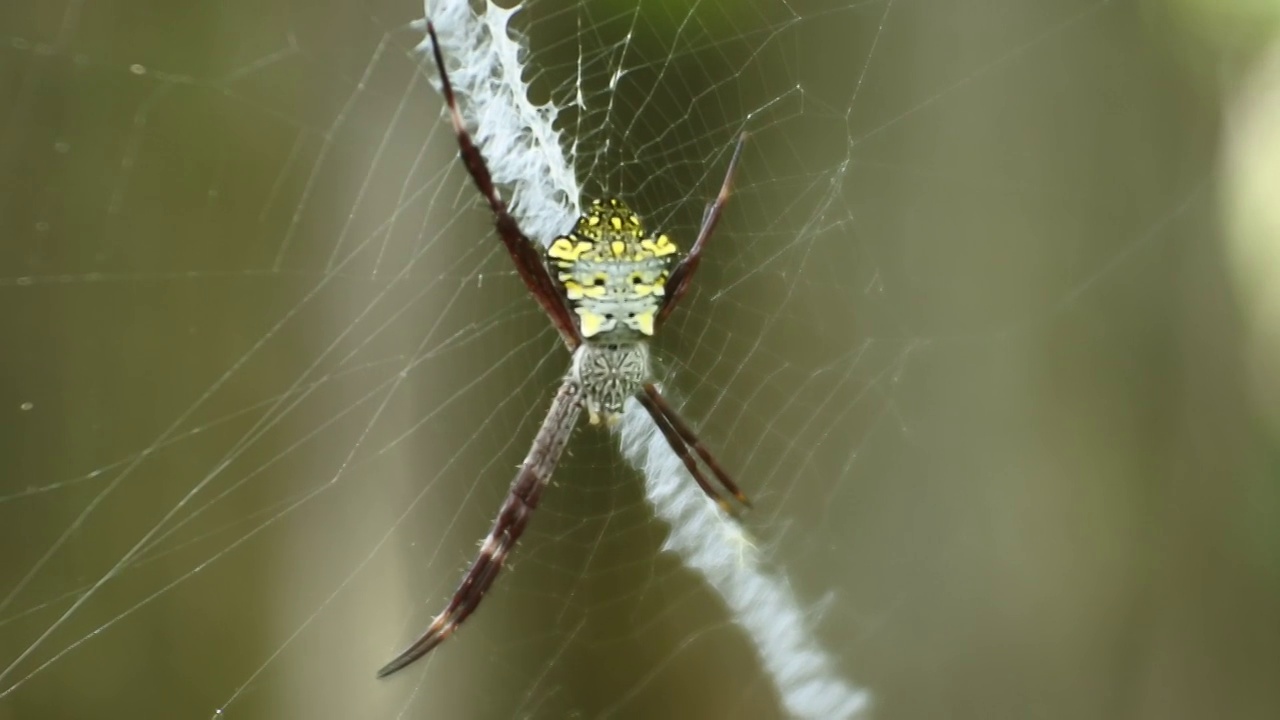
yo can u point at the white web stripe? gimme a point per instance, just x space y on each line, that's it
519 140
761 603
524 153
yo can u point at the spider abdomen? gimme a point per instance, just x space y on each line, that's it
608 374
614 275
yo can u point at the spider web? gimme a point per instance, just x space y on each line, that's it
268 372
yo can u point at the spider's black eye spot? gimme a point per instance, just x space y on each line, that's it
599 281
635 280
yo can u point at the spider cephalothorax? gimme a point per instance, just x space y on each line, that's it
609 374
613 286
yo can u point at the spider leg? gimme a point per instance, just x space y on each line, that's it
526 255
681 449
690 438
512 519
678 283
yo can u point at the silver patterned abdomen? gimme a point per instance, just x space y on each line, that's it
613 274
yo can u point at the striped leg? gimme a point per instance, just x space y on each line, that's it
526 256
678 283
521 501
685 439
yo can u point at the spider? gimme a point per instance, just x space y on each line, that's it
614 286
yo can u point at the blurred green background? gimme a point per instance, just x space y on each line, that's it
989 333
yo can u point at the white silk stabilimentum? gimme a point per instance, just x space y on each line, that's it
520 143
526 156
